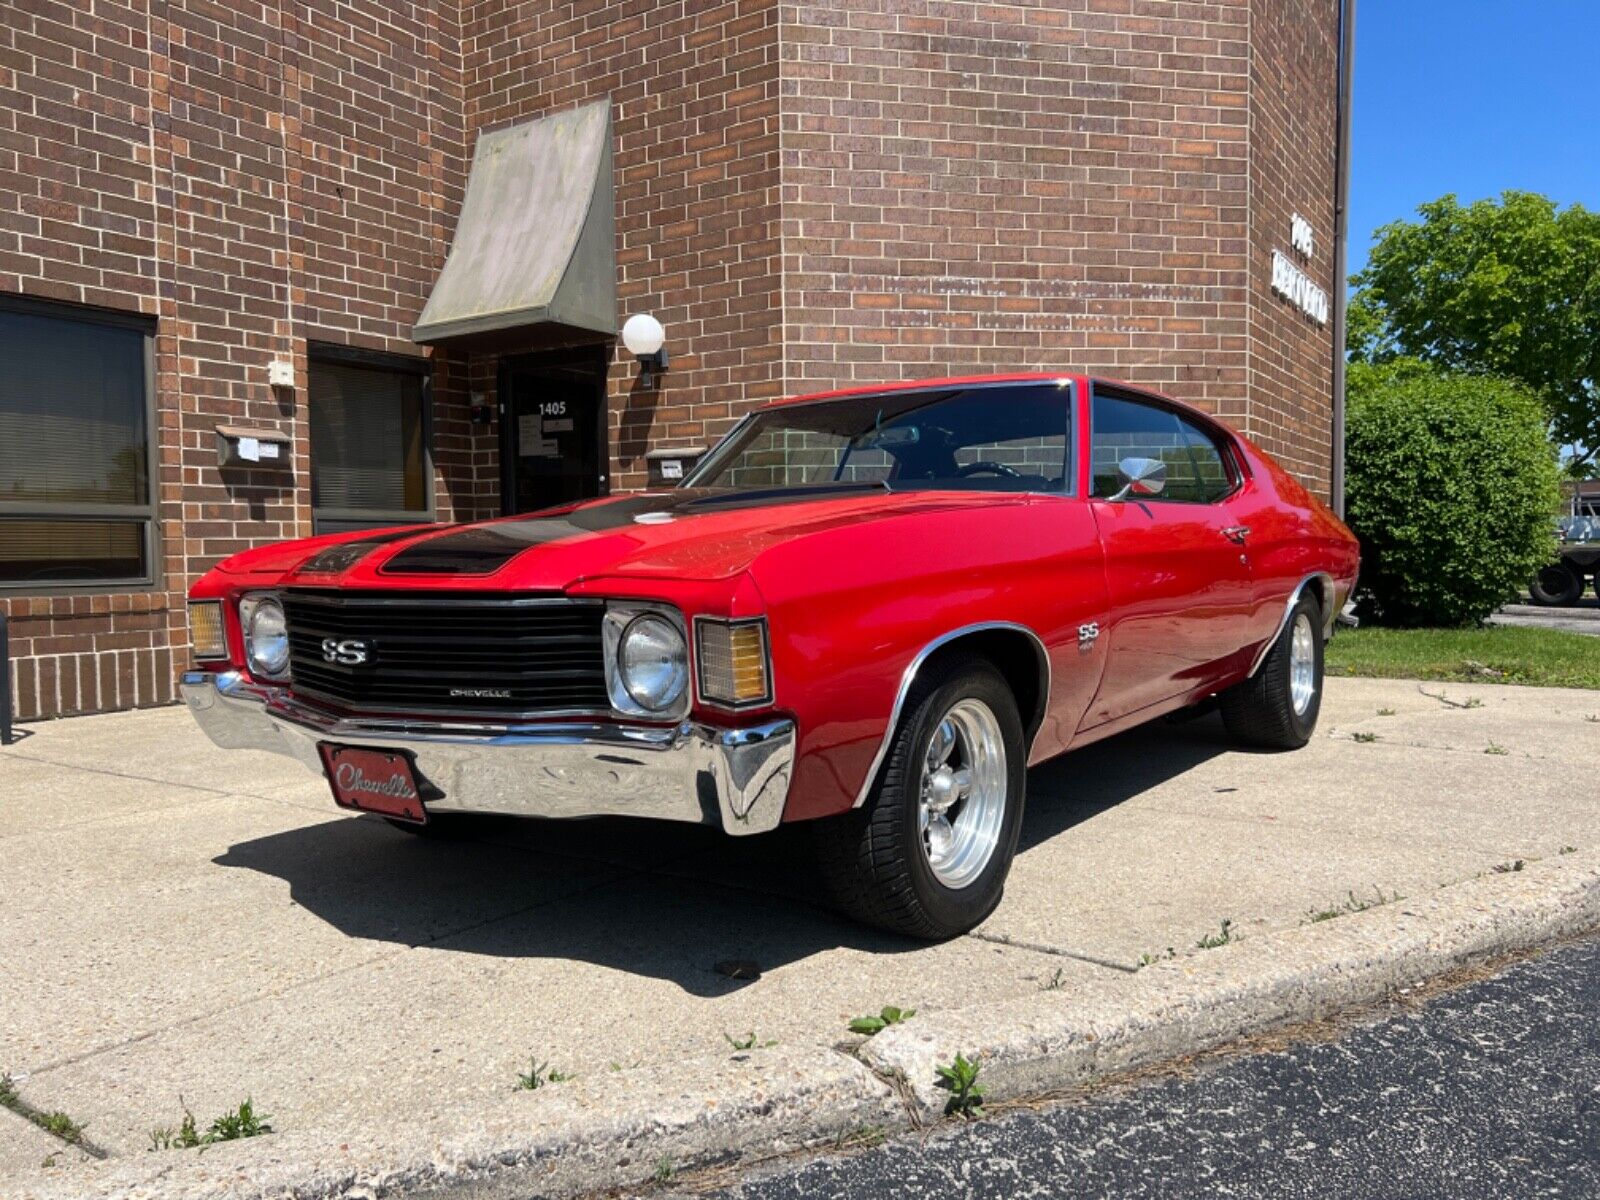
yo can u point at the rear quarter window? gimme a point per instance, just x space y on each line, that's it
1199 467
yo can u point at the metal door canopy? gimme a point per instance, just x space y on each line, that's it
535 245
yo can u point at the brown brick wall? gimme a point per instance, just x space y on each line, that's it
257 175
808 193
973 187
694 91
1293 118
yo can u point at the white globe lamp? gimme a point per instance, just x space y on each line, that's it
644 337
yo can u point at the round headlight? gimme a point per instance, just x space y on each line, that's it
653 663
266 637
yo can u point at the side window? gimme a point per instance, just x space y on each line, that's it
1212 478
1197 472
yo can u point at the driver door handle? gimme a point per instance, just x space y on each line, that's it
1236 533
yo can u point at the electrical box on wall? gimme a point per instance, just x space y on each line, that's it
280 373
667 467
248 446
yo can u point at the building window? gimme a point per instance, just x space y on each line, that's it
369 442
76 492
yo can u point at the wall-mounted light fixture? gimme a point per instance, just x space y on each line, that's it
644 338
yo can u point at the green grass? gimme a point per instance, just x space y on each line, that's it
1494 654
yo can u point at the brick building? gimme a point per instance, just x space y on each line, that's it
221 222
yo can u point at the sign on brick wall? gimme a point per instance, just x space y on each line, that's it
1290 281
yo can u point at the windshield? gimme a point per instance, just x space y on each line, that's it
1010 438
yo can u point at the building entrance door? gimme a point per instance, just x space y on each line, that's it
553 442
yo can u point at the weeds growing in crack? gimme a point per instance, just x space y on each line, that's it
231 1126
890 1015
960 1079
1353 904
538 1074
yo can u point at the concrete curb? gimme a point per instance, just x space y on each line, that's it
562 1140
619 1129
1056 1040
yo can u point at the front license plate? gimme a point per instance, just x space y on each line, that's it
375 781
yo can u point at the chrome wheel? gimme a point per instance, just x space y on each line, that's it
963 793
1302 664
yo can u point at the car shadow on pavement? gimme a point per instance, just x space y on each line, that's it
1074 787
652 898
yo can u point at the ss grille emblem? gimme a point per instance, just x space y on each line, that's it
349 652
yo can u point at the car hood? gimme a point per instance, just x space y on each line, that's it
682 534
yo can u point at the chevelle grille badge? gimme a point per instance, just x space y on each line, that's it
480 693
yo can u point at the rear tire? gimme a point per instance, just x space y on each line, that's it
1277 707
928 854
1557 584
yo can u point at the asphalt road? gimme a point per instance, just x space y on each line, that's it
1492 1090
1582 617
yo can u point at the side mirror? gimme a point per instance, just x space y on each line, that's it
1141 477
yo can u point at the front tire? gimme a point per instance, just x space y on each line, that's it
928 854
1276 709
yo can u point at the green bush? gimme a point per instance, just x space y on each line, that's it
1451 485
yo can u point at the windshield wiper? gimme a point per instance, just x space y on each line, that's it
746 495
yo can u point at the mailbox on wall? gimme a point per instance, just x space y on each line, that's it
667 467
246 446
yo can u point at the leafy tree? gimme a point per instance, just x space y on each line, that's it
1504 287
1451 484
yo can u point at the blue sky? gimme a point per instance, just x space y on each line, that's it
1472 97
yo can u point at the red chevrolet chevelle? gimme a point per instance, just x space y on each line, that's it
868 610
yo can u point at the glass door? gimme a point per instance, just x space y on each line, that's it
553 443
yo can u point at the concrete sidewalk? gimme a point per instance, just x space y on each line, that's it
183 922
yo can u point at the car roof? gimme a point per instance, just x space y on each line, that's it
958 381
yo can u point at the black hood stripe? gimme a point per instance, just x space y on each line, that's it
484 549
334 560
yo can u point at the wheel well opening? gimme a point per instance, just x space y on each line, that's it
1019 658
1321 587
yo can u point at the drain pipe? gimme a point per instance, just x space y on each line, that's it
5 680
1341 238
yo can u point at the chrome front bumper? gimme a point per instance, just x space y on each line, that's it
735 778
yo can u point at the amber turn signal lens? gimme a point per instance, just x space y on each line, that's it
206 633
733 662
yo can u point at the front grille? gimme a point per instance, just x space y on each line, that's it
430 652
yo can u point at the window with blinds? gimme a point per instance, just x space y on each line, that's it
75 477
369 463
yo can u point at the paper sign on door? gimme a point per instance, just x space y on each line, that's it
531 442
